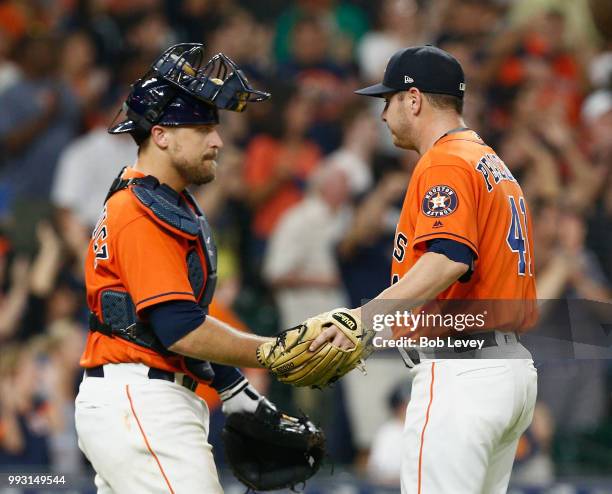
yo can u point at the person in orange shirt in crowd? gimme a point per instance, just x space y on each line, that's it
276 170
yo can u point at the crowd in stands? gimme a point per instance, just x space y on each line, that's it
315 158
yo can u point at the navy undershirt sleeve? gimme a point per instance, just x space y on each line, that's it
175 319
455 251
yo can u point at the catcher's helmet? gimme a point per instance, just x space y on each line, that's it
178 90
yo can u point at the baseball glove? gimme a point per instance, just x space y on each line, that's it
270 450
289 359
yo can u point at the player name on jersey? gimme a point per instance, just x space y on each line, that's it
493 169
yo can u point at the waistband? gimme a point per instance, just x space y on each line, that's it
133 371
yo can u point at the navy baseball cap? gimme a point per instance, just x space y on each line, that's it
428 68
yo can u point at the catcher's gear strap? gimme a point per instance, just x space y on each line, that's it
140 333
166 207
161 203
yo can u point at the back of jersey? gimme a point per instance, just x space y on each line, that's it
461 190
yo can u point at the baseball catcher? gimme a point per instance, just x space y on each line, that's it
151 273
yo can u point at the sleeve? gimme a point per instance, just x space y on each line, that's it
455 251
225 377
173 320
446 202
257 162
153 265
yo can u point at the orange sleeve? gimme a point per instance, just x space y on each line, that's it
153 263
446 207
259 161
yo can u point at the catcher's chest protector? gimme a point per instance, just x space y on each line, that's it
171 212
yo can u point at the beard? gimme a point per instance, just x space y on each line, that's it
197 172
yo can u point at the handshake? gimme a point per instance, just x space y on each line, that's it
292 361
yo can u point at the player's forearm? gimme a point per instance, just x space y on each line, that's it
218 342
431 274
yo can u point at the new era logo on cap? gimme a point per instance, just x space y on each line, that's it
431 70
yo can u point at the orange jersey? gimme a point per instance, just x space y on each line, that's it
462 191
130 252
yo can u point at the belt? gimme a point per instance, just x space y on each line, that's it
489 339
153 373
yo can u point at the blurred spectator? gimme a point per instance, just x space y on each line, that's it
194 19
244 41
317 75
276 169
465 19
400 24
536 60
86 169
14 289
299 264
363 251
573 390
597 120
26 418
148 32
355 154
532 164
13 19
222 201
39 118
346 23
565 266
43 290
533 464
61 371
96 19
78 69
9 71
384 463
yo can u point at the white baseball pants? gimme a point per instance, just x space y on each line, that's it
144 435
463 424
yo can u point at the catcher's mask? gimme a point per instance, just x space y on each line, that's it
179 90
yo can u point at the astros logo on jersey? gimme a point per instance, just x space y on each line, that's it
439 200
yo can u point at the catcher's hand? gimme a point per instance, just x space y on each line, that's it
292 361
269 450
